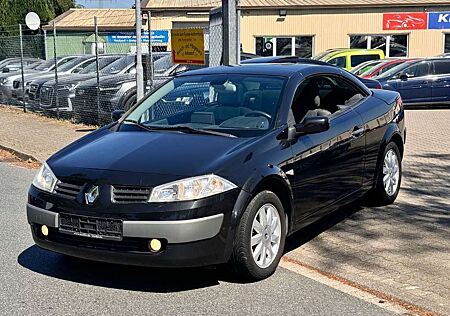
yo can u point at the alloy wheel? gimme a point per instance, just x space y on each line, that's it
265 235
391 172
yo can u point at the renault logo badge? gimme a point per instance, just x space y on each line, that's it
91 195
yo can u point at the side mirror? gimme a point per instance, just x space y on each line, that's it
6 69
312 125
403 77
117 114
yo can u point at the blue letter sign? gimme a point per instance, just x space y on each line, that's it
439 20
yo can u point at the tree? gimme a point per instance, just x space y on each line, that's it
13 12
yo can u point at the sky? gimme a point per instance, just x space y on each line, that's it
106 3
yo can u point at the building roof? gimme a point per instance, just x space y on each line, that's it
249 4
83 19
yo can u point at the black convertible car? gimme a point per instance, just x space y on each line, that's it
218 166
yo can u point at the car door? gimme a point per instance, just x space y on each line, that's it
440 91
415 83
328 166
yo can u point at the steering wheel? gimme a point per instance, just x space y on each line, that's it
258 113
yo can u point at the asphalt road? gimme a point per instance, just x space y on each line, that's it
38 282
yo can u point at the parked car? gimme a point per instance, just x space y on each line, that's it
44 94
384 66
420 82
114 91
73 66
15 64
372 84
366 66
349 58
119 92
7 79
218 166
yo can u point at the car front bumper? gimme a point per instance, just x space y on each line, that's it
193 238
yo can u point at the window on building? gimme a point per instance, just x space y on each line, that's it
300 46
447 43
391 45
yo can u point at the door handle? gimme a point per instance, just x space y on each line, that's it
357 131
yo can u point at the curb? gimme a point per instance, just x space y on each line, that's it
20 155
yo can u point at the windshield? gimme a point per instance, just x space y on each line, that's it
240 105
102 63
362 68
71 64
323 54
162 64
119 65
46 65
393 71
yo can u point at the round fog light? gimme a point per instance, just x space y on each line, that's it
154 245
44 230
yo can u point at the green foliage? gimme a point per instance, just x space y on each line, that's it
13 12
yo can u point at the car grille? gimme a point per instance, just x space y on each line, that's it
67 190
94 227
46 95
16 84
125 194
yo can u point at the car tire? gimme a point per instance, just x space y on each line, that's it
388 177
245 263
129 103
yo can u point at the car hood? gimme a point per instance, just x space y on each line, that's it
73 78
109 80
141 152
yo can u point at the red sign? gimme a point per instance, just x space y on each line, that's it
405 21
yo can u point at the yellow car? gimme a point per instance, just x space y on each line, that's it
349 58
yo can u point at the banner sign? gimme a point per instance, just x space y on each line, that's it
158 37
188 46
405 21
439 20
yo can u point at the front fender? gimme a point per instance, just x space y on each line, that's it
271 176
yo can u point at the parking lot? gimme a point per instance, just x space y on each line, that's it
398 253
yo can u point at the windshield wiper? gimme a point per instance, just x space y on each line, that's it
191 130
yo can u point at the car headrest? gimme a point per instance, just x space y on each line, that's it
227 98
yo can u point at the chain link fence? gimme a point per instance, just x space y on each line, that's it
84 76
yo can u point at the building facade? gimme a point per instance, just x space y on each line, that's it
407 28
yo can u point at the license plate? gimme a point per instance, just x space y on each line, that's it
92 227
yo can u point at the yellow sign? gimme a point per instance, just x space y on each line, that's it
188 46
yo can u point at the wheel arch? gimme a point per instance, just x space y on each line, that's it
280 186
392 134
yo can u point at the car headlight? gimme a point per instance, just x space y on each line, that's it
45 179
110 88
3 80
191 189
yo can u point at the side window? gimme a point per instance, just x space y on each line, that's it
442 67
359 59
338 61
417 70
388 67
323 96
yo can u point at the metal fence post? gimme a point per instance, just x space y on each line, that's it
21 69
139 69
55 89
229 32
97 68
150 51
